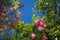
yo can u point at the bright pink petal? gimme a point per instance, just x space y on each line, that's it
3 14
41 20
15 22
36 22
40 28
33 36
44 25
41 23
6 27
44 37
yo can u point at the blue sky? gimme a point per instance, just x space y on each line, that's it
27 11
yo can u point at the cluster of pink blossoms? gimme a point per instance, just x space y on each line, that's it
41 24
33 36
44 37
8 16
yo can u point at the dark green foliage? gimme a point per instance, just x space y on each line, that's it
52 16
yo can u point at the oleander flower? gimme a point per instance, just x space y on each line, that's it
41 22
36 22
33 36
6 27
44 25
15 22
40 28
3 14
44 37
5 9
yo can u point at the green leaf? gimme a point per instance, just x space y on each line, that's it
58 27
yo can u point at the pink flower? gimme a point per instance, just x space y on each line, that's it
3 14
6 27
33 36
15 22
40 28
41 20
6 10
36 22
44 25
44 37
41 23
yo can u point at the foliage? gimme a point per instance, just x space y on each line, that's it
13 29
51 9
9 17
47 28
